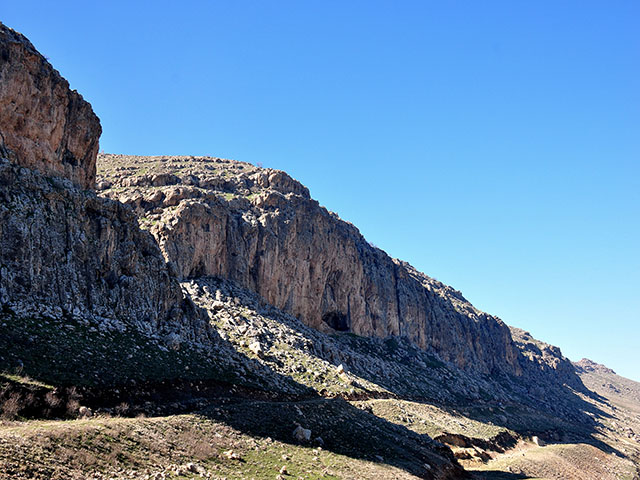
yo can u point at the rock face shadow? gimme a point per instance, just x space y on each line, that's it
543 403
247 402
339 427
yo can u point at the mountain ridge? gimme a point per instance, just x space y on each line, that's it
255 209
246 331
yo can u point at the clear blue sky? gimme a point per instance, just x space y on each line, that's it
493 145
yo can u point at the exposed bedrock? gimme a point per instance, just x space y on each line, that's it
261 229
64 251
43 124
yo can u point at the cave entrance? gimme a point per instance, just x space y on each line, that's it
337 321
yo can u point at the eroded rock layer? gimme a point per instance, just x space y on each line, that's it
64 251
43 124
260 228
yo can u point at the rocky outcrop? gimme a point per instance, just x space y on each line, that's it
43 124
545 364
606 382
346 365
67 252
260 228
589 366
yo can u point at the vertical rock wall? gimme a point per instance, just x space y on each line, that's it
43 124
63 249
261 229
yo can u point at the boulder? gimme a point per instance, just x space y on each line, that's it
538 441
302 434
256 348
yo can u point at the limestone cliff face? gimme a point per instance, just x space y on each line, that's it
261 229
64 250
43 124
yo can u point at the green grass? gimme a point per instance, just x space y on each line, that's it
23 380
229 196
57 449
70 352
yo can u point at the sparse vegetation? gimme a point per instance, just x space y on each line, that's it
111 371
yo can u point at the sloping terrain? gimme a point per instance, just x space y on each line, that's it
249 332
622 399
561 462
260 228
181 446
386 403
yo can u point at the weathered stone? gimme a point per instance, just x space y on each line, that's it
84 412
543 363
67 249
302 434
256 348
231 455
262 230
43 124
538 441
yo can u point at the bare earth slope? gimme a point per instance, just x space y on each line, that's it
381 407
623 399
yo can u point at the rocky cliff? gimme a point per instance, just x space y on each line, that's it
546 369
260 228
65 251
43 124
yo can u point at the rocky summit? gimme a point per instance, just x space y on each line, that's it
197 317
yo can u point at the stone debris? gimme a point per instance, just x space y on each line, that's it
259 228
256 348
194 205
85 412
538 441
302 434
231 455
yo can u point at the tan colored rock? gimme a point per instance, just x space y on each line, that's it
256 348
538 441
43 124
261 229
231 455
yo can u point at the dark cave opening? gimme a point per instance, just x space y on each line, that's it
337 321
